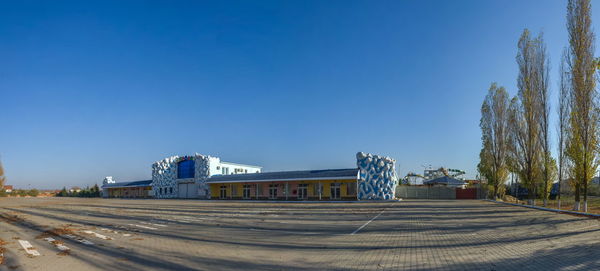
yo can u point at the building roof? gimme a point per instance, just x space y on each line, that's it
445 180
127 184
299 175
8 187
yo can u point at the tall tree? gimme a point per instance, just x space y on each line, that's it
541 71
494 132
564 107
526 152
582 145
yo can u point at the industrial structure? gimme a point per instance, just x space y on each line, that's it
430 174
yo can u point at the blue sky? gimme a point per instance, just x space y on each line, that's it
90 89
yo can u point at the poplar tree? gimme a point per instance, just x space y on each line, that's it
564 107
527 154
583 139
494 133
540 78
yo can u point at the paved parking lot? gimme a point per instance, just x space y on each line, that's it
92 234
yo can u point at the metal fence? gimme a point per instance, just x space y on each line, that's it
436 192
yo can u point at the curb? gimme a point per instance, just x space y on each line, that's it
270 201
547 209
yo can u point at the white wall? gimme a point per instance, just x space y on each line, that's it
233 168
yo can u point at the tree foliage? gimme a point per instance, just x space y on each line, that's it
564 113
88 192
494 122
582 143
530 156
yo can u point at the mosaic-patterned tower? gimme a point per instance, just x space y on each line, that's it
164 175
377 177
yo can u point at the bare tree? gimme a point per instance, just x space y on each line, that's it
494 132
582 145
563 119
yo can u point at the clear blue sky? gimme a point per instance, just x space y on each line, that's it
90 89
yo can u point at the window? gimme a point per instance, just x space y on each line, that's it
335 190
223 194
272 191
246 194
234 190
351 189
160 193
225 170
171 190
302 190
185 169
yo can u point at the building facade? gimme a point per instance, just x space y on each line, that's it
186 176
205 177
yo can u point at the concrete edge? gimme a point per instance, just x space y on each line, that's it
546 209
271 201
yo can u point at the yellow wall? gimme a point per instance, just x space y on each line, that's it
326 193
215 189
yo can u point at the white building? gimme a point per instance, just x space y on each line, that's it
183 176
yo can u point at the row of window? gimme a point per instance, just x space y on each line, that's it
186 169
164 192
225 171
302 191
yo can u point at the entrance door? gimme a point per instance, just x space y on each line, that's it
187 190
335 191
223 194
302 191
182 190
272 191
246 194
192 191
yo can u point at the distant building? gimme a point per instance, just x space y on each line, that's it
8 188
446 181
75 189
135 189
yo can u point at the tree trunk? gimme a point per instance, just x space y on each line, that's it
545 183
585 188
496 191
577 198
558 194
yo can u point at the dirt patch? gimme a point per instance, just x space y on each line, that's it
2 250
64 253
10 218
137 239
57 232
